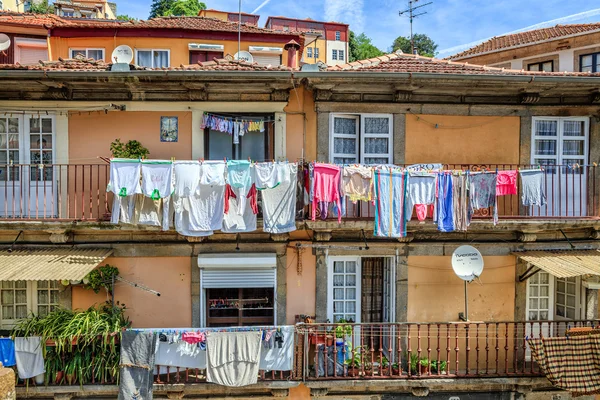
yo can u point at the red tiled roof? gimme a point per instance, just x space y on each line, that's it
90 65
400 62
527 38
190 23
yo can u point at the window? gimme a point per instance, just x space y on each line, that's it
41 146
546 66
309 52
363 139
96 54
589 63
152 58
559 141
286 28
550 298
203 56
338 35
316 52
254 144
341 55
19 298
344 296
30 51
334 54
9 147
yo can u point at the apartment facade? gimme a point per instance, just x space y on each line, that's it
326 42
561 48
251 19
399 292
86 9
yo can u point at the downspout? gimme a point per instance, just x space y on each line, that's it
48 43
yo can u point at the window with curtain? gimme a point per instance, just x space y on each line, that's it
41 146
9 148
19 298
96 54
152 58
589 63
546 66
363 139
559 141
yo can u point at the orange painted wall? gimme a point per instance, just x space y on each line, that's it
301 288
301 121
90 135
436 294
462 139
168 275
178 47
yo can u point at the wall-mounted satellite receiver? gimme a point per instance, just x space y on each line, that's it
244 56
121 58
4 42
467 264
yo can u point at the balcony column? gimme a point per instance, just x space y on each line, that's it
321 278
62 157
402 285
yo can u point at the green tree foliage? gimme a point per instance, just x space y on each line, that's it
42 7
362 48
159 8
125 17
188 8
423 44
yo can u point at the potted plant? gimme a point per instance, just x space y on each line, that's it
438 367
419 366
342 331
70 371
395 369
354 362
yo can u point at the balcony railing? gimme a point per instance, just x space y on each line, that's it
77 192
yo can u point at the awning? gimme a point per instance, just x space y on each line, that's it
49 264
563 263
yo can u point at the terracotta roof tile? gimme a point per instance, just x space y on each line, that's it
400 62
525 38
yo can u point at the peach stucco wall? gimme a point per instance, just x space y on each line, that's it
301 125
301 287
436 294
462 139
90 134
168 275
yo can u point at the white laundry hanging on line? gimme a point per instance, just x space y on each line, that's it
157 184
124 182
233 222
279 197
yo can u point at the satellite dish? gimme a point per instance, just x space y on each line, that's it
244 56
123 54
467 263
4 42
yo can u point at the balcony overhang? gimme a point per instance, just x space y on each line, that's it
561 263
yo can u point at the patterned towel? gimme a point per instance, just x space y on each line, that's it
571 364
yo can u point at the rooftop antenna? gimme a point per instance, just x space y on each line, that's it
240 27
411 15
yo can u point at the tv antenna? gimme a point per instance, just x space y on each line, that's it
467 264
411 15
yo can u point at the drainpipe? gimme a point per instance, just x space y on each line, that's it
292 48
48 44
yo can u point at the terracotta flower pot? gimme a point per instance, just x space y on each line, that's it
70 379
353 372
329 339
59 377
395 371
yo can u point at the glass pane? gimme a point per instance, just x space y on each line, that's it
544 278
344 126
545 147
35 142
533 304
53 284
337 317
351 267
3 141
220 145
161 59
544 315
344 146
376 146
43 311
534 279
546 128
351 280
376 161
21 284
338 267
560 286
571 301
144 58
338 294
547 66
34 125
533 316
574 128
253 146
21 312
345 160
8 312
35 157
46 125
534 67
77 52
543 304
2 125
560 310
42 284
95 54
573 148
351 294
571 289
13 141
351 307
8 297
560 298
54 297
7 285
377 125
338 306
586 62
21 296
570 313
13 125
533 291
338 280
544 291
42 296
3 158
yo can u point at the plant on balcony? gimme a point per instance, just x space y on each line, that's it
419 365
438 367
342 331
131 149
101 277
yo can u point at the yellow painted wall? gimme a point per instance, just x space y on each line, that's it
301 125
321 44
301 287
222 15
436 294
168 275
179 50
462 139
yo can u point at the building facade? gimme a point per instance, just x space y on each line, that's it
326 42
561 48
398 295
251 19
86 9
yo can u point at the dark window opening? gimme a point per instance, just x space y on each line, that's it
203 56
589 63
546 66
240 307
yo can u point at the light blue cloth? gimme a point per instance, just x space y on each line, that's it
532 185
445 219
238 173
7 352
389 208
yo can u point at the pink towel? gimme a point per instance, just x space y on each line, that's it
506 183
327 187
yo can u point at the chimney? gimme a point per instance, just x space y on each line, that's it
292 48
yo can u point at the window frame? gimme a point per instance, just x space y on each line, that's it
595 61
32 302
309 52
151 50
361 137
21 42
334 54
87 49
316 52
540 64
560 138
338 36
357 287
552 299
341 55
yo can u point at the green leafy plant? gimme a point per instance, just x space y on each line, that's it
342 330
355 360
101 278
438 367
418 364
131 149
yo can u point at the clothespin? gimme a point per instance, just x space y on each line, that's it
172 159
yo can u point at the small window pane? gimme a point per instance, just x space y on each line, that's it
376 146
560 310
351 267
46 125
344 146
2 125
544 315
560 298
351 294
573 148
574 128
54 297
586 63
344 126
21 312
338 294
77 52
546 128
338 267
13 125
533 304
144 58
351 280
253 146
3 141
543 304
544 278
560 286
161 59
20 296
95 54
13 141
21 284
8 312
42 311
377 125
545 147
338 280
8 297
351 307
376 161
544 291
533 315
7 285
533 67
533 291
571 301
34 125
338 306
43 297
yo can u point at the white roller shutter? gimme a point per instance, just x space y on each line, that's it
237 270
267 59
32 55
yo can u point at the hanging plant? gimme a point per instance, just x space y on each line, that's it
101 278
131 149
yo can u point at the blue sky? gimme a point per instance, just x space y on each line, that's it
449 23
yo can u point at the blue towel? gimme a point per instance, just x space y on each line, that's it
7 352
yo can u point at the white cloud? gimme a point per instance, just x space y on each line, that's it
347 11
